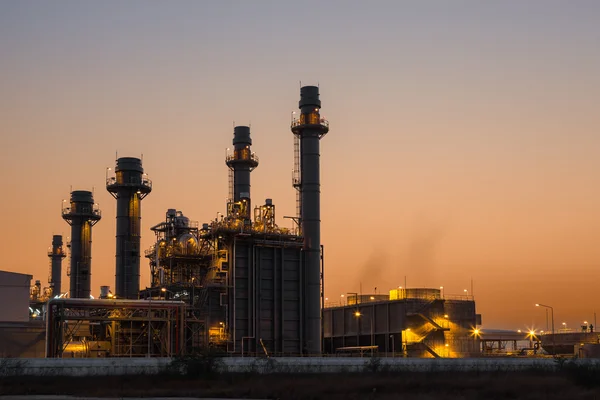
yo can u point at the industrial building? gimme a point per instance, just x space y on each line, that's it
239 284
411 323
19 336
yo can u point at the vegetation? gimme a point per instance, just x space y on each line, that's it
203 375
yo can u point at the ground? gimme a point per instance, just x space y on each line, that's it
530 385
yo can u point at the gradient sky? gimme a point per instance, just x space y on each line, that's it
464 134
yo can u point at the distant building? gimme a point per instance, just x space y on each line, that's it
14 294
19 337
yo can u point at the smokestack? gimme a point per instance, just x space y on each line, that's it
242 162
310 128
56 255
129 186
82 214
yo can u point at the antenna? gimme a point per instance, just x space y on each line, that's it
142 158
116 155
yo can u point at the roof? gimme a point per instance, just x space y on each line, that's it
15 279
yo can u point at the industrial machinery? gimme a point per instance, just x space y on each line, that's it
250 285
83 328
82 214
129 185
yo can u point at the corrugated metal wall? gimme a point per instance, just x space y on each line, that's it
266 298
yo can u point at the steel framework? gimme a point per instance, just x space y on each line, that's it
129 328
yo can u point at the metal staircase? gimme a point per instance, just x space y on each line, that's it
426 326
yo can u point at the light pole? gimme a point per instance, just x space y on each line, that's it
164 291
358 315
552 315
149 323
405 344
393 346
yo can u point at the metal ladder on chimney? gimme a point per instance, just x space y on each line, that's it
297 177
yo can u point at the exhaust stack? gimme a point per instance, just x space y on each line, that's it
56 255
129 186
82 214
310 128
241 163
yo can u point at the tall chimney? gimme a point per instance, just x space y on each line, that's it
56 255
129 186
82 214
310 128
242 162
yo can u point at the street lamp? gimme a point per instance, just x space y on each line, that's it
551 312
393 346
552 317
357 314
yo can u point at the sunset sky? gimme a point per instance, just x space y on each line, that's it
464 140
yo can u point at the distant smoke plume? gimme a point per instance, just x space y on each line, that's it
373 271
420 257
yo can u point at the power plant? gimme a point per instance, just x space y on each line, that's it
239 284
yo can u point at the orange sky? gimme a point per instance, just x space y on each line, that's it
463 144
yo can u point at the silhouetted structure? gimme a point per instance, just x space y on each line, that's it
310 128
82 214
129 186
56 255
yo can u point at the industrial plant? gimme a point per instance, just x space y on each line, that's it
239 285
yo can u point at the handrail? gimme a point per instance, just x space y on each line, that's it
231 157
95 212
299 121
145 182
